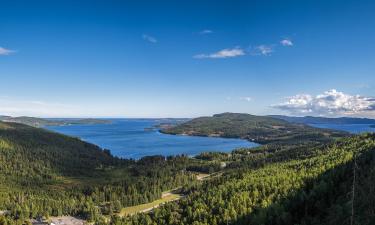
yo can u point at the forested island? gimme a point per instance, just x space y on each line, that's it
261 129
300 175
40 122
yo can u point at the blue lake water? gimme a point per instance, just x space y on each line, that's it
128 138
352 128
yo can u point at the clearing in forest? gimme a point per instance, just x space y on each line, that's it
166 197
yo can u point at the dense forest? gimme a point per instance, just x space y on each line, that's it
300 175
317 187
47 174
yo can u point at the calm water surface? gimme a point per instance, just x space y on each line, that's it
128 138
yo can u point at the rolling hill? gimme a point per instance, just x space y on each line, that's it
260 129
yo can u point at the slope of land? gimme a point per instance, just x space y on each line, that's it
40 122
260 129
48 174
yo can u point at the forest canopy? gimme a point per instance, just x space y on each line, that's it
284 181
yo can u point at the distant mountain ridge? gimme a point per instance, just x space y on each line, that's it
41 122
324 120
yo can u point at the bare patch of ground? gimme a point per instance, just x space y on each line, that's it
66 220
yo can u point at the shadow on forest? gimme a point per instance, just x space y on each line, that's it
326 199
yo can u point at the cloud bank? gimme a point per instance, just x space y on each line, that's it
4 51
330 103
225 53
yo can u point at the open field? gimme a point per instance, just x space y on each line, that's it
206 176
202 176
167 197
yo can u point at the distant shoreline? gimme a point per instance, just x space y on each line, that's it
41 122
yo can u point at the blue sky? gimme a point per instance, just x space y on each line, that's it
186 58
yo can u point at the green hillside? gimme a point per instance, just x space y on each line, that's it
44 173
261 129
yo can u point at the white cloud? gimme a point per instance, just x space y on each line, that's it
245 98
260 50
225 53
206 32
149 38
286 42
331 102
248 99
4 51
263 50
17 107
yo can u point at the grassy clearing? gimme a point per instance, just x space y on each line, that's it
206 176
202 176
167 197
